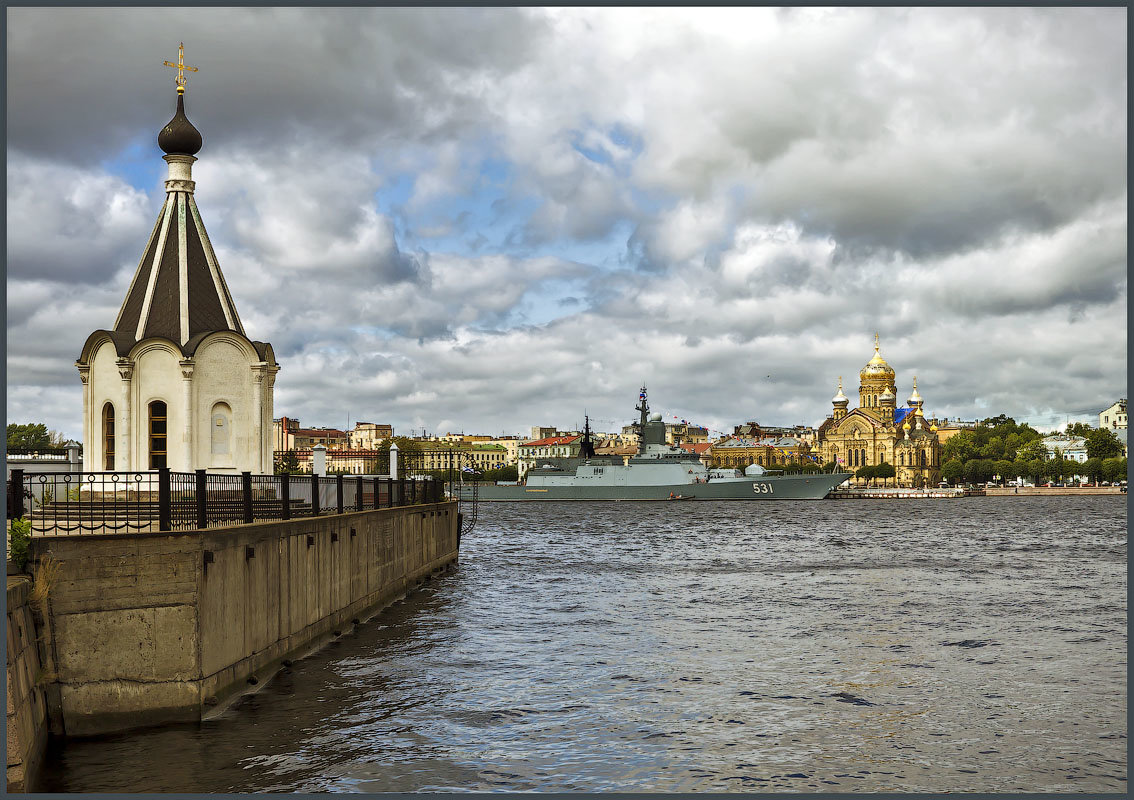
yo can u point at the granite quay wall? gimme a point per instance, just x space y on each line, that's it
1033 491
27 704
162 627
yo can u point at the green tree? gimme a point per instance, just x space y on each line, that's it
978 470
1093 469
1065 468
952 471
1005 469
19 537
865 473
1114 469
1079 429
287 462
885 471
1102 443
33 435
1034 469
509 473
962 447
406 444
1032 451
1053 467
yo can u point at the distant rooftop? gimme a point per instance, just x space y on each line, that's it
551 440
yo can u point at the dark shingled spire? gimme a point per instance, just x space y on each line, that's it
179 137
178 292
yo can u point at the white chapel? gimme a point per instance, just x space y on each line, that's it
177 382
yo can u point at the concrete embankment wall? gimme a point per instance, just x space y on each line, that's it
27 706
153 628
1033 491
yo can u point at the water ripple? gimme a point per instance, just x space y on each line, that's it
921 646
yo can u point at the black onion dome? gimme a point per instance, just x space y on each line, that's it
179 137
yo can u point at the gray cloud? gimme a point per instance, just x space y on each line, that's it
271 76
72 224
793 180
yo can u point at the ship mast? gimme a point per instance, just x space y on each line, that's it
587 449
643 407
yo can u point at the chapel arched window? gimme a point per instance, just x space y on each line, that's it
108 437
158 435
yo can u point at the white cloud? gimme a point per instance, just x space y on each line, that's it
74 224
793 181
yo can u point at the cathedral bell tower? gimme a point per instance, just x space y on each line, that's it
876 378
177 383
886 403
839 401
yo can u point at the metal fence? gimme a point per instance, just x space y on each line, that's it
46 453
135 502
452 466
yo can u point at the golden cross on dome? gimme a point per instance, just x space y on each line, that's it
875 333
181 67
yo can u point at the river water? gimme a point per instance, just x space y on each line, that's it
892 645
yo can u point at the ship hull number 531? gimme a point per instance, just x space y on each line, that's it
762 488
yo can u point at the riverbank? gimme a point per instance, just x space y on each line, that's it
1048 491
949 494
155 628
27 705
900 493
119 631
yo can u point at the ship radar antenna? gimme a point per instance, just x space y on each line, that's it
643 407
587 448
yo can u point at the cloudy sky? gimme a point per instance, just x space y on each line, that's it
484 220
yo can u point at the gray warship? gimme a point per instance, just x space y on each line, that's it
656 472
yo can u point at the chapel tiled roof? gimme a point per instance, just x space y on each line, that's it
178 290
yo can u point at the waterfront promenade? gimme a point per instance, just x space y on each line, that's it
890 493
150 607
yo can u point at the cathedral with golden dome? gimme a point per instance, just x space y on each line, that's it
879 432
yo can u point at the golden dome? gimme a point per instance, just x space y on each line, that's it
905 426
876 369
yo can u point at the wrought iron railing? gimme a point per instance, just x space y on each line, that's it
136 502
451 467
47 451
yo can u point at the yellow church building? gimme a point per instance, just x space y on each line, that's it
878 432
